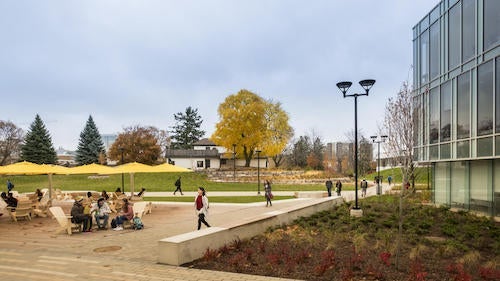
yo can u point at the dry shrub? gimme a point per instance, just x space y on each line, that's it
361 242
418 251
470 259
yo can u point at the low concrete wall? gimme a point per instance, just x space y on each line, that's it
187 247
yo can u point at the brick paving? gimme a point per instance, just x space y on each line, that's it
31 250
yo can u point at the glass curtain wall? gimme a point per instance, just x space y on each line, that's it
441 178
485 99
459 184
491 35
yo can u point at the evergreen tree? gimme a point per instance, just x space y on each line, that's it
90 146
37 147
187 129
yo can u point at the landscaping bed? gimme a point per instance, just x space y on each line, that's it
436 244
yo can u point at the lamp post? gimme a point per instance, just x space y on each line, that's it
258 170
344 87
378 140
121 163
234 162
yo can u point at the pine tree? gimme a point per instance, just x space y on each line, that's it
37 147
187 129
90 146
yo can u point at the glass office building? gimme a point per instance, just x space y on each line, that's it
456 58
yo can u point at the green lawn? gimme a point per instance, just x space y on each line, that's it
151 181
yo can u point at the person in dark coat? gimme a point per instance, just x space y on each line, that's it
77 215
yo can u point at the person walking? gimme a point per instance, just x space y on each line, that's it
268 193
389 180
338 187
178 186
364 186
201 205
329 185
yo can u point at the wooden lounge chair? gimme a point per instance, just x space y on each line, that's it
23 210
64 221
41 208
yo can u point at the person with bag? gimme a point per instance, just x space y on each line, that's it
126 214
338 187
201 205
268 193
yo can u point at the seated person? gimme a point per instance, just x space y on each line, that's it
78 216
118 191
142 192
101 212
39 194
105 195
10 200
126 214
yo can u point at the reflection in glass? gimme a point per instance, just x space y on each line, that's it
485 99
434 115
446 111
491 23
434 50
463 106
454 37
469 29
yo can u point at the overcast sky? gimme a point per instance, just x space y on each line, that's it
139 62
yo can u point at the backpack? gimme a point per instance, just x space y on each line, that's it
137 223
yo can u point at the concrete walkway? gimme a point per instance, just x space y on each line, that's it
30 250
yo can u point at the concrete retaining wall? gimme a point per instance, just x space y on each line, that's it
187 247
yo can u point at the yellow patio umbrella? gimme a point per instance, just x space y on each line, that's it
91 169
132 168
28 168
169 168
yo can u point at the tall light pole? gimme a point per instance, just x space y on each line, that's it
344 87
234 162
121 163
258 170
378 140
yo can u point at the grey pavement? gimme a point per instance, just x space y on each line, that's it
31 250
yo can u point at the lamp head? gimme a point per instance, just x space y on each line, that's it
384 137
367 84
373 138
344 86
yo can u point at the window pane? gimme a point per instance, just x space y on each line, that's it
463 106
468 29
497 147
445 151
480 183
434 50
433 152
441 176
458 184
497 94
434 116
454 37
463 149
484 147
485 99
424 57
446 111
491 23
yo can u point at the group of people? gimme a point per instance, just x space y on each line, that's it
84 210
329 186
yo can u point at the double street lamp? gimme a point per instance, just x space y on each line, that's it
344 87
378 140
258 170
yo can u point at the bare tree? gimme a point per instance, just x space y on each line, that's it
399 122
11 138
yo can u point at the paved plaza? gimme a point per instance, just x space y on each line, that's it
31 250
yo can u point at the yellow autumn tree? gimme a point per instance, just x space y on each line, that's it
250 122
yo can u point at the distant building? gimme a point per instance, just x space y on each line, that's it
66 157
108 140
